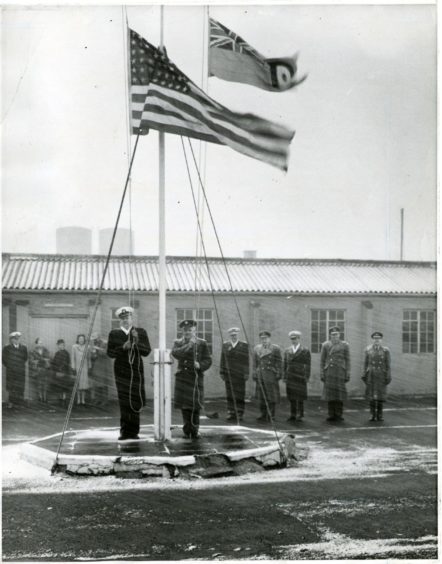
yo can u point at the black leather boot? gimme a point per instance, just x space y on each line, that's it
379 415
373 410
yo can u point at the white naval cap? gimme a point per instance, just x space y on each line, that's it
123 311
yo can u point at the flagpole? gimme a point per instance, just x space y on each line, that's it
162 408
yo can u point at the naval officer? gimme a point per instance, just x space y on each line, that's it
234 370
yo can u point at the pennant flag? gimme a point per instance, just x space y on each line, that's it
232 59
163 98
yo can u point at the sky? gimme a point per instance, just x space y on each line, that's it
365 121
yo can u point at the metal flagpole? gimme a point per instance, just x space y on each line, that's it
162 408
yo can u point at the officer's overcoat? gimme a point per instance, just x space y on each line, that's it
267 371
335 370
14 359
234 361
189 381
296 372
377 372
128 367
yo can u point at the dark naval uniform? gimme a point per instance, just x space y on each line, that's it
189 381
129 377
14 358
377 376
267 373
234 370
296 375
335 373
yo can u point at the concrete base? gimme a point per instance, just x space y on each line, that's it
221 451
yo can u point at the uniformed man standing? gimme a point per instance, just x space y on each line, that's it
267 360
193 360
335 373
297 362
377 375
127 345
14 358
234 370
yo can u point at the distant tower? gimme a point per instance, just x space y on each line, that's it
74 240
121 244
250 254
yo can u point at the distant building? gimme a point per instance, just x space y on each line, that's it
122 244
74 240
53 296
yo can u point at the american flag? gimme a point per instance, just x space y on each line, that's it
164 98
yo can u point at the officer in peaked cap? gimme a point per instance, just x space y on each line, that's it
234 370
377 375
296 374
267 372
193 360
14 358
127 345
335 373
124 311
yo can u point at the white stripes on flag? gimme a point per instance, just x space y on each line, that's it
194 114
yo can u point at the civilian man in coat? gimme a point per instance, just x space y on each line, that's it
127 345
296 370
335 373
267 372
193 360
14 358
377 375
234 370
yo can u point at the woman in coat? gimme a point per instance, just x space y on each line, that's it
78 350
297 363
267 359
335 373
377 375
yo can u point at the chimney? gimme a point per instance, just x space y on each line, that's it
250 254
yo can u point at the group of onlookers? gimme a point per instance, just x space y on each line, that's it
53 377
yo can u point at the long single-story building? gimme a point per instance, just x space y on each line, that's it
53 296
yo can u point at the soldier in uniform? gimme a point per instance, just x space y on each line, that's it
14 358
296 370
335 373
234 370
193 360
377 375
127 345
267 372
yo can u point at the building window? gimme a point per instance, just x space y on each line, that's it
204 319
418 329
322 320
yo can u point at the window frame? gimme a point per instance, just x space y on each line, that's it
412 328
320 335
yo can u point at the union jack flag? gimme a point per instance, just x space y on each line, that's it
223 38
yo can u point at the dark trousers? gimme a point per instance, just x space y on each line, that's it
335 409
191 421
235 392
129 422
376 410
263 406
297 408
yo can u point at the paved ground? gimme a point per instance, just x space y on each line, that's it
365 491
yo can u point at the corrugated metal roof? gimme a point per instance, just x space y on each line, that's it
186 274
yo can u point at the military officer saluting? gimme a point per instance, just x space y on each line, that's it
193 360
335 373
377 375
267 372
